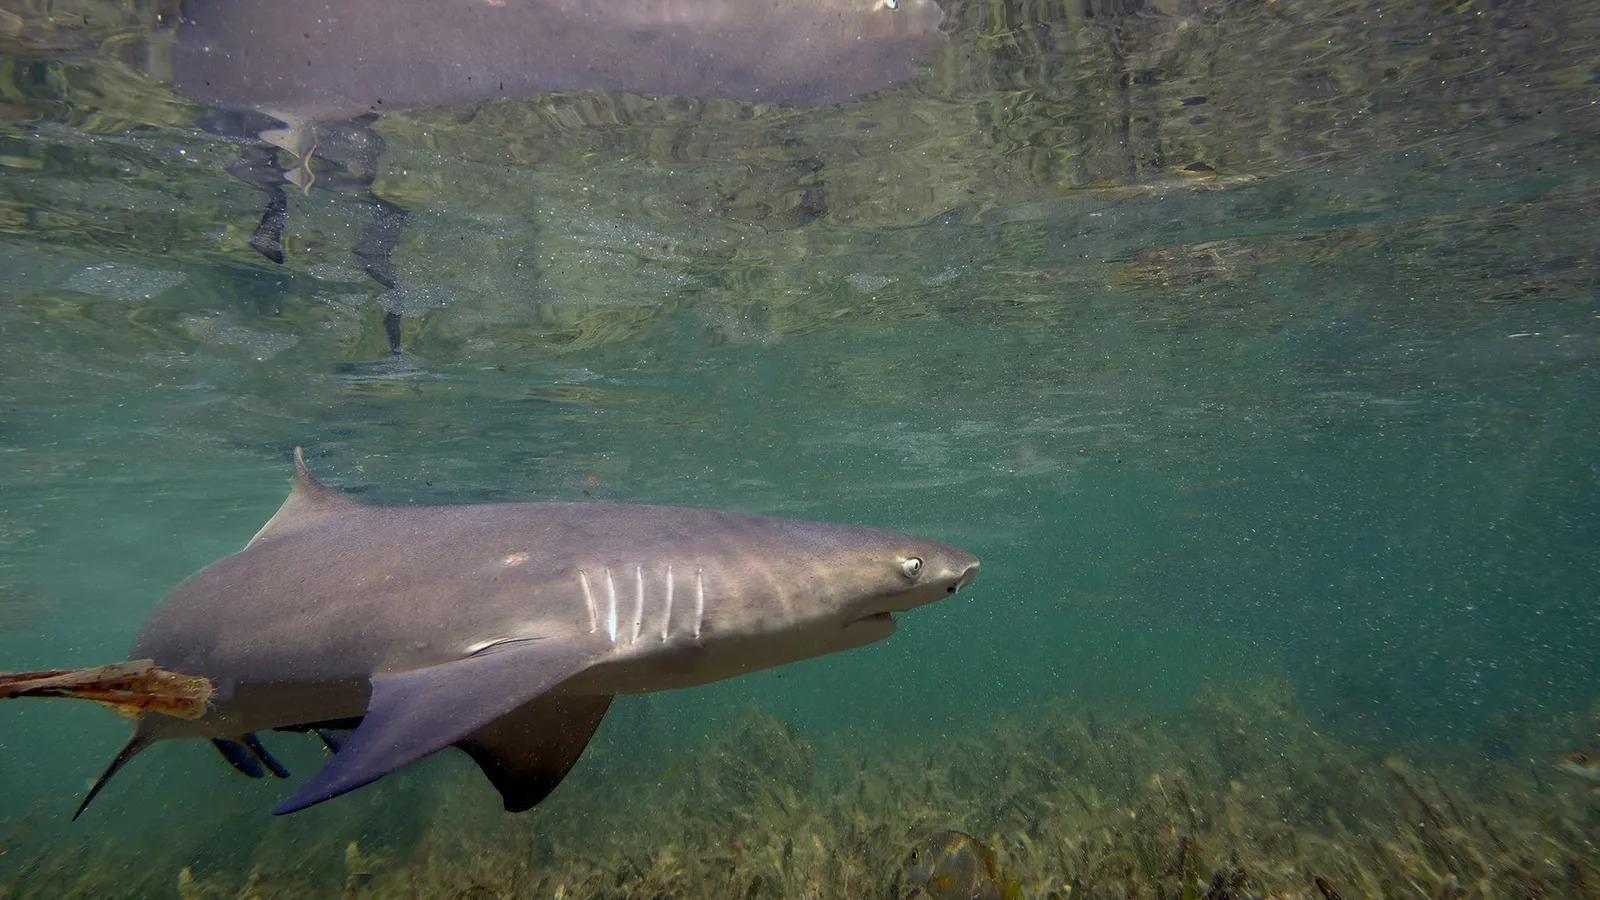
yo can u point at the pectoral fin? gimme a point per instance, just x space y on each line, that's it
267 759
526 753
412 714
240 757
248 756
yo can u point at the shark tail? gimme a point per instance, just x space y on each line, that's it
132 689
135 744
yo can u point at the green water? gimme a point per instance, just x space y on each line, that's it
1323 416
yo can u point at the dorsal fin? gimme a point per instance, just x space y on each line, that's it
309 502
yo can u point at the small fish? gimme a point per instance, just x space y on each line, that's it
1584 764
953 865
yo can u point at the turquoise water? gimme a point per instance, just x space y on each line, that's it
1252 346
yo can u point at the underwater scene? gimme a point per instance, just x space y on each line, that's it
466 350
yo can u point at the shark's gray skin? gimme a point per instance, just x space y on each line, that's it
505 629
307 78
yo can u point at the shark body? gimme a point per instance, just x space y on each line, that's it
505 629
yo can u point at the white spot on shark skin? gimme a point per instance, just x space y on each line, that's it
666 616
611 606
588 600
515 559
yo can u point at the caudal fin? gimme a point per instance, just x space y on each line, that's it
131 688
129 750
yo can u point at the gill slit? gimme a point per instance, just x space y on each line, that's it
779 591
588 600
611 606
699 601
666 615
638 603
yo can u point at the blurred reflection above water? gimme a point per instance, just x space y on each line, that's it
307 60
315 77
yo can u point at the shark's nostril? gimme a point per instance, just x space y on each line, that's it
965 579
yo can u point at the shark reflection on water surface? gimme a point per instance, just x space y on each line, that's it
294 80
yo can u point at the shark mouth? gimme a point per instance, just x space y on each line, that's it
883 619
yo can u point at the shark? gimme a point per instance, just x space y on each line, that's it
503 629
294 81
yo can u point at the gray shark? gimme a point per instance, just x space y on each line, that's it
505 629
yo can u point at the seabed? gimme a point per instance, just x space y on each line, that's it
1239 796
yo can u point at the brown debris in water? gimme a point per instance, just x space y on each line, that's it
130 688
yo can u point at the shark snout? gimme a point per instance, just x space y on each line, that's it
952 570
968 572
949 566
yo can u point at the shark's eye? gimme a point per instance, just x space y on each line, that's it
911 566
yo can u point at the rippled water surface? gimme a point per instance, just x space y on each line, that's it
1254 345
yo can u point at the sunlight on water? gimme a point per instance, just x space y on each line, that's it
1251 344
